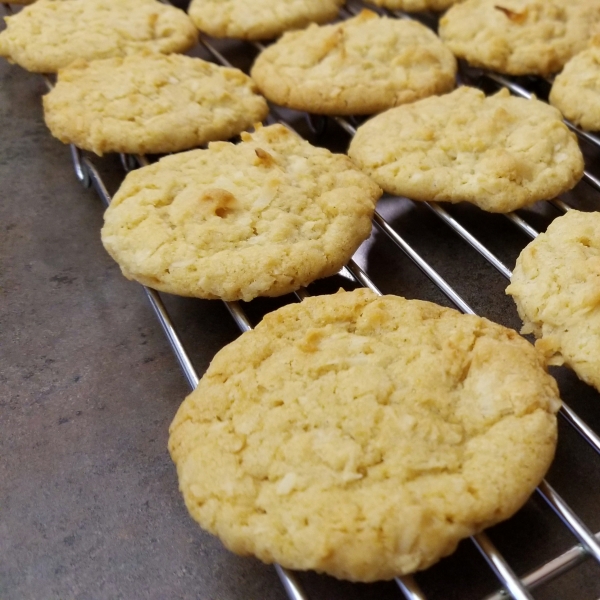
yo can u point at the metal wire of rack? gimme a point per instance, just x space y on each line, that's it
519 587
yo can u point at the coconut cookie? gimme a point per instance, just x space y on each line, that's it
260 218
415 5
556 286
51 34
150 104
361 66
576 90
364 437
520 37
259 19
499 153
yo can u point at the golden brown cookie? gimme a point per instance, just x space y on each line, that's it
259 19
51 34
364 436
576 90
499 152
520 37
556 286
150 104
360 66
263 217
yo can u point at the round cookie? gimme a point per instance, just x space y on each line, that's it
364 436
51 34
520 37
150 104
360 66
259 19
260 218
556 287
415 5
576 90
499 153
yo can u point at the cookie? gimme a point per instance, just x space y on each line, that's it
499 153
150 104
360 66
260 218
415 5
520 37
51 34
576 90
259 19
364 436
556 287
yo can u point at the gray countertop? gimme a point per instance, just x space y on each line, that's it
89 505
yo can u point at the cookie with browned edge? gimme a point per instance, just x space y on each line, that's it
520 37
235 221
556 287
364 436
498 152
360 66
150 103
259 19
51 34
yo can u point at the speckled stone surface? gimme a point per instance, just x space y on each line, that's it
89 506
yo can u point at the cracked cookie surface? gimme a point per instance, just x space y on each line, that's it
520 37
364 436
499 152
259 19
150 104
262 217
51 34
576 89
360 66
556 287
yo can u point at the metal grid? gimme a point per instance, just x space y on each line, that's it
510 585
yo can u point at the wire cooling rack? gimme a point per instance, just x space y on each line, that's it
458 256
